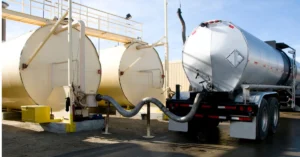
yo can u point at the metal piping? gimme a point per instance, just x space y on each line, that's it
81 24
4 6
70 68
166 49
183 25
258 86
82 55
156 102
65 27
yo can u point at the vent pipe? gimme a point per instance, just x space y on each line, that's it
183 25
4 6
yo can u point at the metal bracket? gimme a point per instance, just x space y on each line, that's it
246 89
148 123
107 119
294 68
158 43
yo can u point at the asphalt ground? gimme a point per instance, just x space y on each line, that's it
126 140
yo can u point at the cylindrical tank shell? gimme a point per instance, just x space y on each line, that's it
129 75
224 56
47 70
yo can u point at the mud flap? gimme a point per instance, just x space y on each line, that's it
176 126
244 130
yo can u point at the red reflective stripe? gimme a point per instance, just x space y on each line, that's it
230 107
211 22
185 105
231 26
205 106
199 115
255 62
245 119
194 32
214 117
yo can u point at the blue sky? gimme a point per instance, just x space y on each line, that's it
265 19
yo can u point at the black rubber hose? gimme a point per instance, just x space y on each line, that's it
183 25
147 100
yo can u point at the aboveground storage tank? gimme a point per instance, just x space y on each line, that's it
129 74
44 81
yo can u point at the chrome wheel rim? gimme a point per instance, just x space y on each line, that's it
264 119
276 115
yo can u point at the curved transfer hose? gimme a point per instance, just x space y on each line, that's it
138 107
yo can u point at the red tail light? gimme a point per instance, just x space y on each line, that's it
231 26
249 109
241 108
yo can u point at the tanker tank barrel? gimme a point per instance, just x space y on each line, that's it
156 102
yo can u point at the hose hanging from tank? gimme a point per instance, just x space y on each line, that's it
182 23
147 100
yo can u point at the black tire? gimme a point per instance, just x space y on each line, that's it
274 114
262 121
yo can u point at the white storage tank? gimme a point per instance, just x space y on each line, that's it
129 74
44 81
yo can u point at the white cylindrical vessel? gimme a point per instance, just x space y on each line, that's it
44 81
129 74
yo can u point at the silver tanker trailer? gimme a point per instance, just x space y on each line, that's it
241 79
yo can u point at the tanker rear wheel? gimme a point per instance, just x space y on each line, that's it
274 114
262 120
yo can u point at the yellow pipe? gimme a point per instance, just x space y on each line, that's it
46 39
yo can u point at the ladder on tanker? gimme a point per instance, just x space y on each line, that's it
98 23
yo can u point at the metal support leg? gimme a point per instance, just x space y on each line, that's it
148 123
107 120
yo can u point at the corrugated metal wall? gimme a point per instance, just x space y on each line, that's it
177 76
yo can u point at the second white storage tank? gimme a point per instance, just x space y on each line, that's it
129 74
